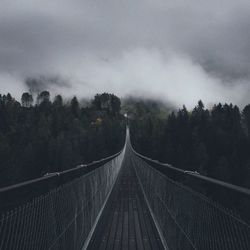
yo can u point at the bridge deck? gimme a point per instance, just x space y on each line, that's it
126 222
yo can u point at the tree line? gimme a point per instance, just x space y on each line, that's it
40 135
214 142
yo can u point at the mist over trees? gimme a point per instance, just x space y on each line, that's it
40 135
213 142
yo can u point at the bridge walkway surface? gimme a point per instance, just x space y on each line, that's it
126 222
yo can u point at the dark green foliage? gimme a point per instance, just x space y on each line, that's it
108 102
58 101
27 100
51 137
213 142
44 96
75 108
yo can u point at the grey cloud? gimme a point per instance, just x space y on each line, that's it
177 50
38 84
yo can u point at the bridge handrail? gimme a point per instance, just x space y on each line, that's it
22 192
60 210
185 218
192 174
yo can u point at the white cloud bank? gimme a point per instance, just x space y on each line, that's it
177 50
148 73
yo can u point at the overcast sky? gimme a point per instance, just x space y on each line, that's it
177 50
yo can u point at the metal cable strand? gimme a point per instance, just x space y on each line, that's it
187 219
62 218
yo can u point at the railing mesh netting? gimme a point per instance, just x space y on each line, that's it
61 218
188 219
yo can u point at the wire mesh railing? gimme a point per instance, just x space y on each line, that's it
57 211
188 219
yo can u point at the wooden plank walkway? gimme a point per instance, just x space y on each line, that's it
126 222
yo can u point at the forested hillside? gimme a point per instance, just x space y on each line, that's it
141 107
38 136
213 142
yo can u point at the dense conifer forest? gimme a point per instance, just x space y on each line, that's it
40 135
213 142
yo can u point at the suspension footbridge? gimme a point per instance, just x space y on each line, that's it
126 201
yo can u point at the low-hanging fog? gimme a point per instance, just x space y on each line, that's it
179 51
